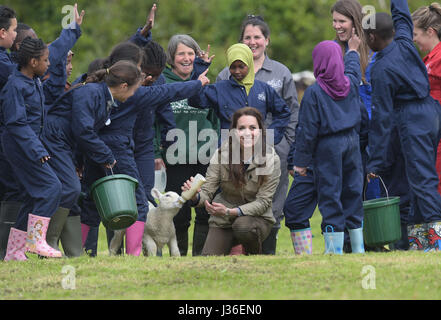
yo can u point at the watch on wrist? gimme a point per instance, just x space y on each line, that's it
228 212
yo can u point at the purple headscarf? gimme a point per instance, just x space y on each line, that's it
329 70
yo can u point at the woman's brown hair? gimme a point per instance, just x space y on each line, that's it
353 10
428 17
237 170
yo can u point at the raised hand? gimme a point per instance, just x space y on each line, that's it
203 78
78 17
150 21
205 55
355 41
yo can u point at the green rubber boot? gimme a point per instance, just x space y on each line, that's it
56 225
71 237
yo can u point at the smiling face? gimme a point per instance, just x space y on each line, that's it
183 61
342 26
239 70
248 131
254 38
426 40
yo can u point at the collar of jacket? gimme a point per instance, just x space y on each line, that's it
170 75
386 50
435 51
26 79
267 64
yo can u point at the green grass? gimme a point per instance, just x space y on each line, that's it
398 275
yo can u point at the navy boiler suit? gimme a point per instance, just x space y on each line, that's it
72 122
401 92
52 88
227 96
24 117
144 134
328 138
118 135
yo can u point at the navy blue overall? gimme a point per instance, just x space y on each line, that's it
72 122
118 136
144 134
22 101
328 137
227 96
53 87
401 97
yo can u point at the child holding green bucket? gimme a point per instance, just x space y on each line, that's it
401 95
327 138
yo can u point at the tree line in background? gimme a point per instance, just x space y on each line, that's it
296 25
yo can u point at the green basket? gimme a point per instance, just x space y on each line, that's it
115 200
381 224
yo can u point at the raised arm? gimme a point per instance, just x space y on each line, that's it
402 20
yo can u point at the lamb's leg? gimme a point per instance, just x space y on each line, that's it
150 245
116 241
173 247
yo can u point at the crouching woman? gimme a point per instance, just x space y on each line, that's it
240 184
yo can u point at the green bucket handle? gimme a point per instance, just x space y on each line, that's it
111 170
384 186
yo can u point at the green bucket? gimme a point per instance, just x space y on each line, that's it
115 200
381 221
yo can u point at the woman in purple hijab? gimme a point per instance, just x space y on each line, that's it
329 70
327 140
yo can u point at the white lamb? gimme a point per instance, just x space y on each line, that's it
159 228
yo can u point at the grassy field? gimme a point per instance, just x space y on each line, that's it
391 275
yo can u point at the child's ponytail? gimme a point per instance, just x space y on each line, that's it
121 72
428 17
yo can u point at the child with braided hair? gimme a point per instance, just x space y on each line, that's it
22 102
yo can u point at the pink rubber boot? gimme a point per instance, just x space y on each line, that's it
302 241
16 245
84 232
36 237
134 238
237 250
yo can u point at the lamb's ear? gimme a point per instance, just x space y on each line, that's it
156 193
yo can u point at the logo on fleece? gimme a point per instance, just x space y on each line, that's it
275 83
261 96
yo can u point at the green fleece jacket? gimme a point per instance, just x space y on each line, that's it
189 122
